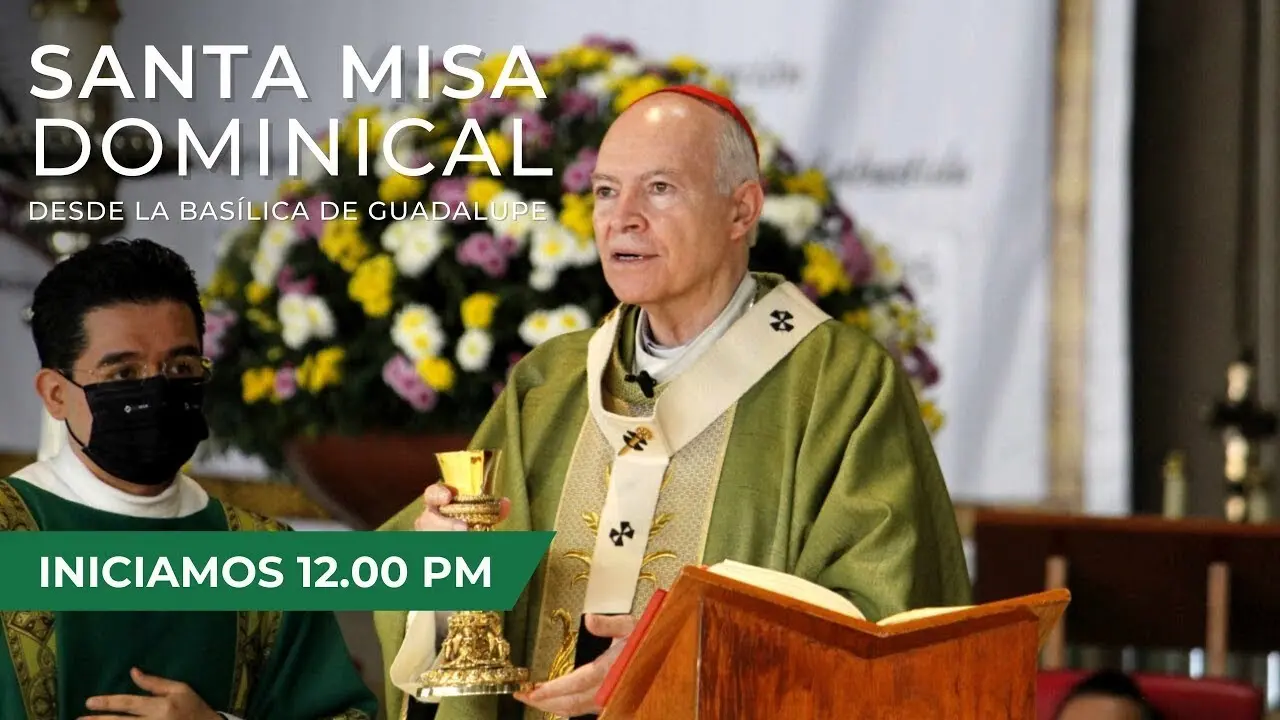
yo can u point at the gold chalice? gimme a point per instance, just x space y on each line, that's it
475 659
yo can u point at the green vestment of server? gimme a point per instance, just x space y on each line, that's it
250 665
795 443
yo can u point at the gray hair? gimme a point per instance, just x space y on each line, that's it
736 162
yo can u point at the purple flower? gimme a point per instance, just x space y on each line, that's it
286 383
484 107
288 283
483 251
575 103
216 324
399 374
858 263
449 190
920 365
312 225
534 131
577 175
615 46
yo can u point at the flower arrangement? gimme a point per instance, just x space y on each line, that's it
377 324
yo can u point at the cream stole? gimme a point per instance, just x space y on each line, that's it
637 499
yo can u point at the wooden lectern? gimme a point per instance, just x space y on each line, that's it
720 649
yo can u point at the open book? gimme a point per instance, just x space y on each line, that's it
800 589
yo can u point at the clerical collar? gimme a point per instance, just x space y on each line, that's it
66 476
664 363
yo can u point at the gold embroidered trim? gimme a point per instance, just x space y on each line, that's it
29 635
256 631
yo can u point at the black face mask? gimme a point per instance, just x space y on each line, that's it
144 431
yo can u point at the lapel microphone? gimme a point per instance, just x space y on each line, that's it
645 381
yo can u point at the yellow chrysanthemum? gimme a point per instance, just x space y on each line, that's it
371 285
222 285
400 188
859 318
933 417
483 190
586 59
500 148
293 187
823 271
262 320
340 241
575 214
350 130
256 293
810 182
257 384
636 88
720 84
322 370
437 372
686 65
477 310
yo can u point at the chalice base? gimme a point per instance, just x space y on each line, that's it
439 683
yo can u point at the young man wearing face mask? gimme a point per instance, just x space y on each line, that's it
118 328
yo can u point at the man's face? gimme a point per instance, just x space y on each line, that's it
1101 707
661 225
122 342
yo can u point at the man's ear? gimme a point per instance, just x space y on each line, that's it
51 387
748 203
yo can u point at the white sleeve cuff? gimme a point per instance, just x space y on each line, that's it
424 632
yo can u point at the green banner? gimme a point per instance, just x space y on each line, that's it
339 570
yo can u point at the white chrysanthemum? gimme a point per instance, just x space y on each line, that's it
536 328
768 143
554 246
796 215
529 101
416 243
503 206
543 279
569 318
277 237
474 348
303 318
621 67
888 271
418 333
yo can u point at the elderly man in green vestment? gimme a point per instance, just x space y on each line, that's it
716 414
118 328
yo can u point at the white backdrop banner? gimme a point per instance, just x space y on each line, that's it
933 118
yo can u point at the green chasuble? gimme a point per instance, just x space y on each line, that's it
820 466
253 665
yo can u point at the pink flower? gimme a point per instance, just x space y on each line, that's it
615 46
576 103
399 374
286 383
484 107
313 224
216 325
858 263
450 190
577 175
918 364
534 131
483 251
289 283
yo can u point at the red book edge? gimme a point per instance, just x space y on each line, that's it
629 650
